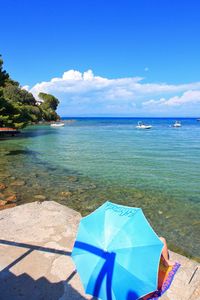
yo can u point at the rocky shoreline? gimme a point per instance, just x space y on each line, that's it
67 189
8 199
9 194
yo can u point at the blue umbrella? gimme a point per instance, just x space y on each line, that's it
117 253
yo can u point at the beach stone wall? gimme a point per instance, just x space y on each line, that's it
36 240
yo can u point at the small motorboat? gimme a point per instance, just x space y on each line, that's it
57 124
177 124
141 125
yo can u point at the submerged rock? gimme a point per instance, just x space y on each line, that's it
1 195
90 186
93 186
7 206
80 191
18 182
11 198
196 223
72 178
2 186
3 202
40 197
66 194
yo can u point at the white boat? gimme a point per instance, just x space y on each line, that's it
141 125
57 124
177 124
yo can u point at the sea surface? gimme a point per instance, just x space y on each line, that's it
91 160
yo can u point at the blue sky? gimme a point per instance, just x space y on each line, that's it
123 58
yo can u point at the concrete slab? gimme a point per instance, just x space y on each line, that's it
36 240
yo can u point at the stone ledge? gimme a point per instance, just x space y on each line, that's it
35 245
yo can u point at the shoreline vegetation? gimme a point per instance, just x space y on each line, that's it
19 108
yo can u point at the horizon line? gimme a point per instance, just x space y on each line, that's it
136 117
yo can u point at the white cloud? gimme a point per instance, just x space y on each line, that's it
191 97
89 94
25 87
72 75
188 97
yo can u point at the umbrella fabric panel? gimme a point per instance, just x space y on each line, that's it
100 283
142 265
86 270
103 224
100 294
114 221
86 254
94 226
126 286
112 282
135 232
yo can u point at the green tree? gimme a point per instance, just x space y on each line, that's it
3 74
49 101
24 104
16 94
19 108
9 114
48 107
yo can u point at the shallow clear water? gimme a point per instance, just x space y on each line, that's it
95 159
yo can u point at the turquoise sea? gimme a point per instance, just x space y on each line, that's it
91 160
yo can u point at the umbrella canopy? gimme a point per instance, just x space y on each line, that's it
117 253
